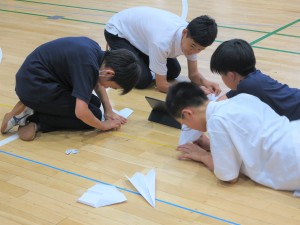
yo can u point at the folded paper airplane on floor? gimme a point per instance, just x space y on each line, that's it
145 185
126 112
102 195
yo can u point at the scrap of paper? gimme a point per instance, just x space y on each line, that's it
145 185
102 195
72 151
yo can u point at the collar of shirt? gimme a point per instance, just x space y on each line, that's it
177 42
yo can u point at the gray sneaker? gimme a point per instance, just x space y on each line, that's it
10 120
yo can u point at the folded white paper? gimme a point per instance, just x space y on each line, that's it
145 185
126 112
102 195
212 97
188 135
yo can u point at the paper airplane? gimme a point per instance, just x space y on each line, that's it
102 195
126 112
145 185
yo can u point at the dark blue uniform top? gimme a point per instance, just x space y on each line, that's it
283 99
67 64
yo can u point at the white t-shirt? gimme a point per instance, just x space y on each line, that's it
247 136
155 32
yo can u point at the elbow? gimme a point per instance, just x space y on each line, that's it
79 114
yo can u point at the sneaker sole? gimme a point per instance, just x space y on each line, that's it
4 128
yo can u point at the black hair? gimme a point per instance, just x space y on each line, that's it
203 30
182 95
126 67
235 55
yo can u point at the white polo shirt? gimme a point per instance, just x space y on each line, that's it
247 136
155 32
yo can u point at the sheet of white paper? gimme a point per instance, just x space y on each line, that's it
145 185
102 195
297 193
0 55
126 112
188 135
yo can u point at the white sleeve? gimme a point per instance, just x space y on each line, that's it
158 60
226 159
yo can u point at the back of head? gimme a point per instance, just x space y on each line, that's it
203 30
235 55
182 95
126 67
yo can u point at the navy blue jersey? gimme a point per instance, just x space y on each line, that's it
67 64
280 97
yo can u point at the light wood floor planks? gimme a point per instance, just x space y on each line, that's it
39 183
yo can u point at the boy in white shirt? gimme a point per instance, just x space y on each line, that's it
246 136
157 37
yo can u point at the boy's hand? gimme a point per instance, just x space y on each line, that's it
110 124
115 116
191 151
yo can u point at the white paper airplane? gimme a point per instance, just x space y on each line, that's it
145 185
102 195
126 112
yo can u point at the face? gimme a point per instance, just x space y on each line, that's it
229 80
104 79
193 118
189 46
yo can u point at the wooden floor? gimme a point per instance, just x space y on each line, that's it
40 184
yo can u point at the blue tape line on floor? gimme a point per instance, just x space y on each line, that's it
123 189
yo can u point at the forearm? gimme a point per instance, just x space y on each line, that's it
197 78
102 94
88 118
161 83
207 160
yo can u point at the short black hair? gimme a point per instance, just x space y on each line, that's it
235 55
182 95
203 30
126 67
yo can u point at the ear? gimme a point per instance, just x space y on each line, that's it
232 75
187 113
184 32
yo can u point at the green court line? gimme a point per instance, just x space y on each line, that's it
68 6
64 18
84 21
274 32
257 31
276 50
110 11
